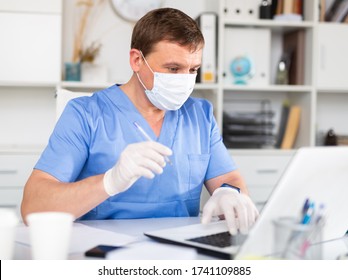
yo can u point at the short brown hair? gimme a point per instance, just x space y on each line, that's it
166 24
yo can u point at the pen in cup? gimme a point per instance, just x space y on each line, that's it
147 137
308 215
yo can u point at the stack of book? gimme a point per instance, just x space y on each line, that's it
249 129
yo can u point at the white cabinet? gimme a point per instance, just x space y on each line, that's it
333 56
30 69
15 168
261 171
30 48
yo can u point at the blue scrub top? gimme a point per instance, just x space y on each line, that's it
93 131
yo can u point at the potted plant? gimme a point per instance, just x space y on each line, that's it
85 51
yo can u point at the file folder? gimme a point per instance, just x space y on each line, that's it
208 71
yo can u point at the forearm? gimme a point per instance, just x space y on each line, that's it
233 178
45 193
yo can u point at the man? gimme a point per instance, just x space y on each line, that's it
99 165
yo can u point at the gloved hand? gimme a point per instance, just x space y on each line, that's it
140 159
239 211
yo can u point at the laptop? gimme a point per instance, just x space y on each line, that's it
317 173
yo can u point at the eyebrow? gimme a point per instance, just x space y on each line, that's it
175 64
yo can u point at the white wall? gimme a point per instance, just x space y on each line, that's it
115 34
27 116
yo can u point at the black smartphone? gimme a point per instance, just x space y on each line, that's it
100 251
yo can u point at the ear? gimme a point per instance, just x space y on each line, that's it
135 59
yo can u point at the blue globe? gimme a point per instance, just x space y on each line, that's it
241 69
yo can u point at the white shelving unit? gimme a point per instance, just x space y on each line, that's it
323 97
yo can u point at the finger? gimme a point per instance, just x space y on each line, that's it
146 158
230 218
151 165
252 211
242 215
208 212
140 171
153 155
159 148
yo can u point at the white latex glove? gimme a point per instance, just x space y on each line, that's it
140 159
239 211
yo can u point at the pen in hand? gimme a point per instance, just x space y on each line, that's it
147 137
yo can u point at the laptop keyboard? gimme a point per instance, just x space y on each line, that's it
221 240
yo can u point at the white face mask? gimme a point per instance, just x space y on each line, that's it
170 91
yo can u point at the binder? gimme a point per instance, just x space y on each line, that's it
341 12
282 124
294 46
208 25
288 6
292 127
332 9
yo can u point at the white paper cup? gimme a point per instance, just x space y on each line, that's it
8 224
50 235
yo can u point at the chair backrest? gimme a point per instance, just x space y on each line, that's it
62 98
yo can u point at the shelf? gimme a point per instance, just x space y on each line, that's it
200 86
27 84
333 90
270 88
21 149
272 24
261 152
84 85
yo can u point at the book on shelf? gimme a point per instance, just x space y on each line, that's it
341 13
345 20
282 123
289 10
294 47
336 10
322 10
292 127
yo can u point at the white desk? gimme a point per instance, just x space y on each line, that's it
137 227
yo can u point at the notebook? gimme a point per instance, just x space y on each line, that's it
318 173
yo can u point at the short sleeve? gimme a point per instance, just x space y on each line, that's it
67 149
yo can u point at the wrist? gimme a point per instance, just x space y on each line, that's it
108 183
231 187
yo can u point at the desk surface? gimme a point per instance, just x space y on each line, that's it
132 227
136 228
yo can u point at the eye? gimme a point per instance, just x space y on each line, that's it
193 71
173 69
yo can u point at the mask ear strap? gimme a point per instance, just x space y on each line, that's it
146 61
141 81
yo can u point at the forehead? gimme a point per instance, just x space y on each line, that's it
165 51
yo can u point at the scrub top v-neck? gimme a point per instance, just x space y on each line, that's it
93 131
